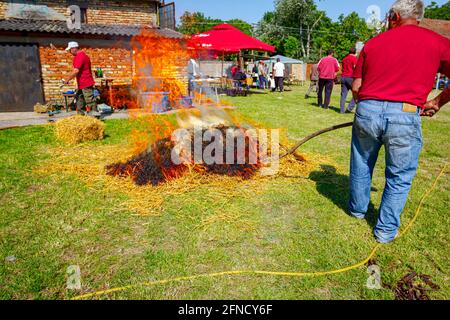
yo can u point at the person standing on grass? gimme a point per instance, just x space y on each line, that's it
328 68
390 106
279 70
314 80
262 75
82 71
348 66
193 74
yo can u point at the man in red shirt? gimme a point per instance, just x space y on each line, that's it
393 78
83 73
328 67
348 65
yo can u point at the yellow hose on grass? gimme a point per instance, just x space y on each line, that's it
271 273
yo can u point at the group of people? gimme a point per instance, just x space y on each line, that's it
390 81
261 76
323 76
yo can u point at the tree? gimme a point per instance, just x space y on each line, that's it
291 47
245 27
301 16
342 35
433 11
192 23
196 22
269 32
314 31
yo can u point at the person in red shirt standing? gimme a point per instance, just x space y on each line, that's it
394 75
328 67
348 66
82 71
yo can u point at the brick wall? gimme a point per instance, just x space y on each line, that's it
3 8
57 63
134 12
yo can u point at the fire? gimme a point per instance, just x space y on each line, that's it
156 165
159 64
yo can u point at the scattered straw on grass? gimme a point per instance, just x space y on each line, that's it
77 129
88 163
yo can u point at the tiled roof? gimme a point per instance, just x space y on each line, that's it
48 26
439 26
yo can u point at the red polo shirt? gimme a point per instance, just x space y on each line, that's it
328 67
348 65
400 65
84 77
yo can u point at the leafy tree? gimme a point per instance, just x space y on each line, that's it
302 18
291 47
245 27
269 32
433 11
192 23
342 35
196 22
314 31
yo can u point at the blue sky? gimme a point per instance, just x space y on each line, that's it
252 10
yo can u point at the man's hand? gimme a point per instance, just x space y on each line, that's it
71 76
431 108
356 85
434 105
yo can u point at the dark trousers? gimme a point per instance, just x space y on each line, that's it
279 83
346 87
326 84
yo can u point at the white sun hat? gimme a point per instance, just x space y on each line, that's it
72 45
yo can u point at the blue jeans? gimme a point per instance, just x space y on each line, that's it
346 84
380 123
262 82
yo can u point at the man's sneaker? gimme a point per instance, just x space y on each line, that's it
358 216
386 242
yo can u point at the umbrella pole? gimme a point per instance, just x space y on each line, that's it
223 58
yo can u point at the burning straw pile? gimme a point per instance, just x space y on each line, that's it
88 163
78 129
156 166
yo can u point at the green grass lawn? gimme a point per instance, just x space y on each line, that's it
49 223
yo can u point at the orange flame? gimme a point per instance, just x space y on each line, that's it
160 64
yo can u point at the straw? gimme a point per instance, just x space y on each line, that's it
77 129
88 163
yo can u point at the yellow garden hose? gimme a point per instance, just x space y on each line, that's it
272 273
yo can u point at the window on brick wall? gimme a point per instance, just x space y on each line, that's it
84 18
83 8
167 16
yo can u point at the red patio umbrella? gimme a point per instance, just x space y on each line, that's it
226 39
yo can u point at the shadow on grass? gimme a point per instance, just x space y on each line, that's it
312 101
335 187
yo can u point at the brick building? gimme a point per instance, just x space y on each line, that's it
34 34
439 26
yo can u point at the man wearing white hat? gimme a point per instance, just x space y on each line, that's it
83 73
